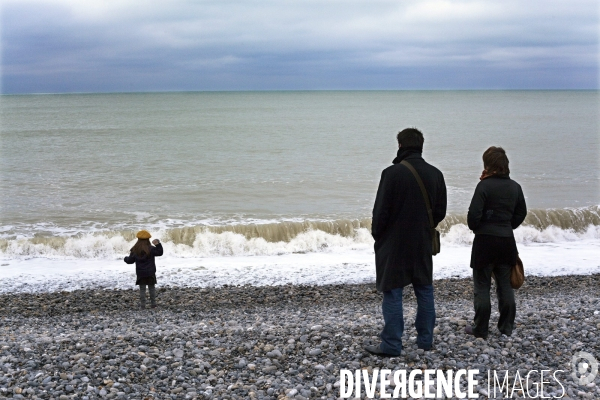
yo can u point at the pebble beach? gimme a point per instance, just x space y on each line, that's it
275 342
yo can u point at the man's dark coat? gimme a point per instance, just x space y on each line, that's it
401 226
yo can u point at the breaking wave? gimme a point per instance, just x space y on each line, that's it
287 237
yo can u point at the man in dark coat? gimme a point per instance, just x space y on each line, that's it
403 242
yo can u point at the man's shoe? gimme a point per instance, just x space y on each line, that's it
425 348
376 350
469 331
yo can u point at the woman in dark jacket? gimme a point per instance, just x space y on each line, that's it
142 254
498 207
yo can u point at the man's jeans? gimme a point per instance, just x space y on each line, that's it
393 316
506 299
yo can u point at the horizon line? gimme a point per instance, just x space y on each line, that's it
296 90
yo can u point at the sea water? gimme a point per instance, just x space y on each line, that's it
276 187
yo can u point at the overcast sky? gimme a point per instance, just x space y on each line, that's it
51 46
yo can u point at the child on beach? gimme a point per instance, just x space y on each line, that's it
142 254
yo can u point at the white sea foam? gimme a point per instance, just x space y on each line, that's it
461 235
329 266
207 243
271 253
553 234
82 247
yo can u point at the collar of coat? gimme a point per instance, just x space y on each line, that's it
404 152
497 177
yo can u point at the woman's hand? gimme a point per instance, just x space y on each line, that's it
155 242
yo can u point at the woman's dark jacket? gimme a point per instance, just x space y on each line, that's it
401 228
498 207
145 266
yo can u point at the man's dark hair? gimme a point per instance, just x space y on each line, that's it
410 137
495 161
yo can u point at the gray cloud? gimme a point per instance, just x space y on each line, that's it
65 46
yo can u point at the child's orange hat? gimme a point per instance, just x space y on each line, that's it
143 235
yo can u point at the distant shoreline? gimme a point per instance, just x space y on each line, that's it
297 91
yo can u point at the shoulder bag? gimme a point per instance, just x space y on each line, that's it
435 234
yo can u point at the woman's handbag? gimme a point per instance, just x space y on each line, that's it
435 234
517 274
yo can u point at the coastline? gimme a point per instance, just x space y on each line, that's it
273 341
330 266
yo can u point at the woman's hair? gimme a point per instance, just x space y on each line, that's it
142 248
495 161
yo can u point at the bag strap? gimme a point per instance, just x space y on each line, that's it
423 190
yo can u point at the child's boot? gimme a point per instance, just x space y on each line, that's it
152 291
142 297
